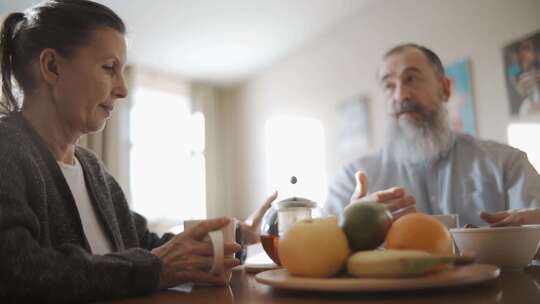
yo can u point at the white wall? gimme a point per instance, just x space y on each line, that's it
343 62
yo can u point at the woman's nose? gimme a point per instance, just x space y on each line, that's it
121 90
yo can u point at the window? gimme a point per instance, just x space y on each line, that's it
295 147
522 136
167 162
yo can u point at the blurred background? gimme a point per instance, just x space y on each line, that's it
229 99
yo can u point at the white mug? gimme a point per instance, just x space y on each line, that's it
448 220
218 238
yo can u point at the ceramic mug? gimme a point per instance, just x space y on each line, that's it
218 238
448 220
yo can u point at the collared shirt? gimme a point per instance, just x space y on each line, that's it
473 176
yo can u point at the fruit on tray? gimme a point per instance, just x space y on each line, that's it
314 248
419 231
391 263
366 225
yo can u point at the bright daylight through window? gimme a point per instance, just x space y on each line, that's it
167 158
521 136
295 147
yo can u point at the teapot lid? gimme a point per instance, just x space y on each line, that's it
295 202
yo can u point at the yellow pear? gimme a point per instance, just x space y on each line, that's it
314 248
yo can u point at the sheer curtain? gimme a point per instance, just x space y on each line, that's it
114 144
206 100
168 150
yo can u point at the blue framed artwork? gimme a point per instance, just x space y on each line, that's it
353 127
522 72
461 102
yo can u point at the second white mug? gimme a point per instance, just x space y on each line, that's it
449 220
218 238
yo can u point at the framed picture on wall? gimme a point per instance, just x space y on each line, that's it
353 127
461 103
522 73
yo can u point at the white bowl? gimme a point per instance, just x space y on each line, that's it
507 247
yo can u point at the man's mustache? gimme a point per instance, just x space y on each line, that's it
408 106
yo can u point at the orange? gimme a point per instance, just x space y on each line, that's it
418 231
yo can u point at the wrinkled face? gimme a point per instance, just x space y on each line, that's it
91 81
412 88
418 129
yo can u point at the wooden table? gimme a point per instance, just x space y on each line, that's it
511 287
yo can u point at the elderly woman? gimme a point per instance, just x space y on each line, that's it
66 231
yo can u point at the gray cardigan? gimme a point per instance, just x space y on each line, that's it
44 254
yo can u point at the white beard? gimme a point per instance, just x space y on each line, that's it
410 141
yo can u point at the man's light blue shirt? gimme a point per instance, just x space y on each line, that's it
474 175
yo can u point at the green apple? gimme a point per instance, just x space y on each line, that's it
366 225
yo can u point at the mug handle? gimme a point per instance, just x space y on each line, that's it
216 237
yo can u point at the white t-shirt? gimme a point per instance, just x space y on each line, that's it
95 233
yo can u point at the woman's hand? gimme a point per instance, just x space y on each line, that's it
186 258
251 226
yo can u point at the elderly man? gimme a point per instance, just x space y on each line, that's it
425 166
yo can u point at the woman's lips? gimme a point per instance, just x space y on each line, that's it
106 108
